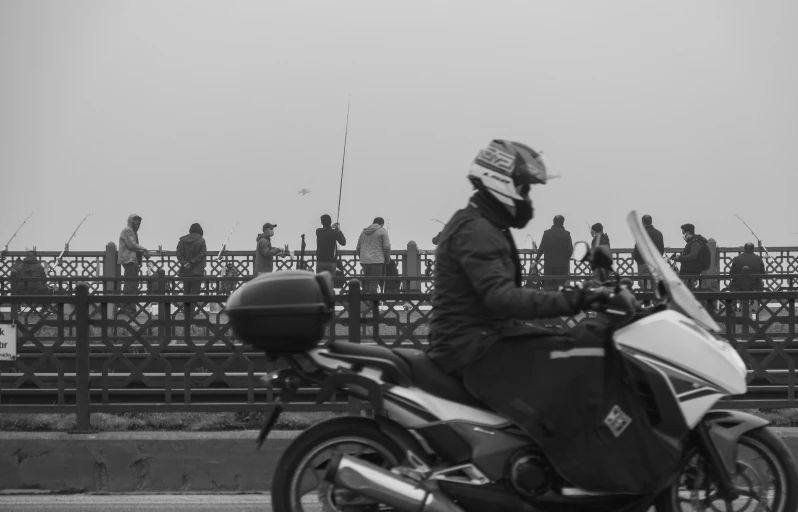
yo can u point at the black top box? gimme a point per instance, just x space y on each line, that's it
282 311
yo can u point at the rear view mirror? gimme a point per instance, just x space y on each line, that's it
581 251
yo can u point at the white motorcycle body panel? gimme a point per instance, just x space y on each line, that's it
685 353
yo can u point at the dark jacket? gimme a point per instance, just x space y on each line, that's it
691 264
30 267
191 253
436 238
477 296
656 236
391 270
326 238
556 248
755 266
264 254
600 239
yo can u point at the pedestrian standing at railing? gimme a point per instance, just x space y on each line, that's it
130 256
694 259
264 252
755 266
327 236
191 252
374 250
31 267
642 267
556 248
600 238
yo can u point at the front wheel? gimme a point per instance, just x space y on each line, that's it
299 484
766 479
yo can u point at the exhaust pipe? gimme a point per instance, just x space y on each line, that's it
385 487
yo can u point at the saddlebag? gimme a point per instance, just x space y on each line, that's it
577 403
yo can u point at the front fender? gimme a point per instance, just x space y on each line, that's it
725 428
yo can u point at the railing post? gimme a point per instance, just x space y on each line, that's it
13 281
354 406
14 285
413 266
161 280
82 357
110 269
354 310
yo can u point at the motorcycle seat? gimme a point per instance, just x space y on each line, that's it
416 366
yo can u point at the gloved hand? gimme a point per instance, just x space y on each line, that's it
582 298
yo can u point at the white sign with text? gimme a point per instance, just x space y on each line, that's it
8 342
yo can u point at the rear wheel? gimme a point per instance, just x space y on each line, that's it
766 479
299 484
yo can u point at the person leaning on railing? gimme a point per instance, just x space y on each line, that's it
743 265
31 268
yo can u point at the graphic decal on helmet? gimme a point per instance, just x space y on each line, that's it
496 160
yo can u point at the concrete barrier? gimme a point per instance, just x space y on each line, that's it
153 462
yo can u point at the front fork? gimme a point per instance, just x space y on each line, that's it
717 436
722 475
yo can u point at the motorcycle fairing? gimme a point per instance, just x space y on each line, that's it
670 338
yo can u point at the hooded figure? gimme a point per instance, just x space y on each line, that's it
129 242
31 267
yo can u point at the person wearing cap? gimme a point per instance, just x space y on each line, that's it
264 252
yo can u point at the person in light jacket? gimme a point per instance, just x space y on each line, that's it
374 250
264 252
130 257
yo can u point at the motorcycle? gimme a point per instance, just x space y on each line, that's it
432 447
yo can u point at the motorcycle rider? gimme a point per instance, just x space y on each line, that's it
478 297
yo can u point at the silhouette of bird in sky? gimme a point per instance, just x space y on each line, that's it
304 191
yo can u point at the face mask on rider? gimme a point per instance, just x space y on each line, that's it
523 214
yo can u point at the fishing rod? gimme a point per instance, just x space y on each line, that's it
57 260
343 162
341 185
758 241
436 220
5 249
224 244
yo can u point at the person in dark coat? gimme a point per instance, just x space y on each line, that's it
642 267
690 262
31 267
599 236
755 266
556 249
477 297
327 236
191 252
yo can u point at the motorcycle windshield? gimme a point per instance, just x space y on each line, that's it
682 298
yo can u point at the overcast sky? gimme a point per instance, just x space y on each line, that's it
217 112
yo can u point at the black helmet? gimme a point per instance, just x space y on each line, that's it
506 170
